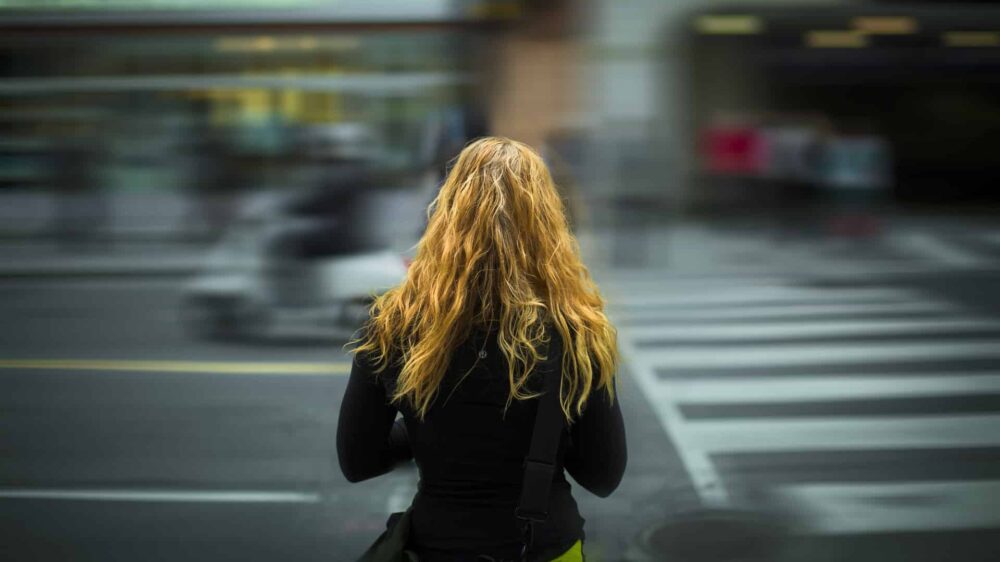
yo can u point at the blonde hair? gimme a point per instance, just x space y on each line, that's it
497 249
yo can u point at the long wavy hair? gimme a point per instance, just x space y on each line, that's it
497 251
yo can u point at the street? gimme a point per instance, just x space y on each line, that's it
858 416
859 411
172 463
790 210
124 438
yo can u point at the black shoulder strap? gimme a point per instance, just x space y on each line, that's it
540 464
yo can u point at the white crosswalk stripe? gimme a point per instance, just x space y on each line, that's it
834 347
680 332
885 507
772 390
937 250
765 294
778 311
796 434
792 355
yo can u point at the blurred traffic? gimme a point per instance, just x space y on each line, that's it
791 209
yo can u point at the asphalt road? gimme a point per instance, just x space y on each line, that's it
850 420
124 438
141 443
860 416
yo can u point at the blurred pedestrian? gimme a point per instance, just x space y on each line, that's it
563 153
212 179
336 205
81 208
205 147
446 134
497 353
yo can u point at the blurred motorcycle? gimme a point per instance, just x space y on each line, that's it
301 264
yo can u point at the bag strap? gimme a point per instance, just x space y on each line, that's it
540 463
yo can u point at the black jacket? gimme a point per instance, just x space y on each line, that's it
470 453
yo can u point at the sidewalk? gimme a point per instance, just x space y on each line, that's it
128 214
718 248
34 258
686 248
143 232
140 233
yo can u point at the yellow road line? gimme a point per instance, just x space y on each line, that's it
215 367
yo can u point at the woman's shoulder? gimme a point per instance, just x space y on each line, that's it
381 365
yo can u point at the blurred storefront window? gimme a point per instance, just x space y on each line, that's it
159 86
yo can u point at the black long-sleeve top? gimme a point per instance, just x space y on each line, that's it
470 453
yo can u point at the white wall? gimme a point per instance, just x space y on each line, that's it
635 85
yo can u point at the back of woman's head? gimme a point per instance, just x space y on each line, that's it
497 252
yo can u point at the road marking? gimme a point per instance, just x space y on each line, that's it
696 462
107 285
213 367
936 250
897 506
783 311
191 496
800 355
861 433
682 332
815 389
672 283
764 295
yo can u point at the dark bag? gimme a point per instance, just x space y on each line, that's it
390 546
539 468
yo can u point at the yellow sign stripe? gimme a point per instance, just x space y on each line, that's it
836 39
215 367
971 39
728 24
885 25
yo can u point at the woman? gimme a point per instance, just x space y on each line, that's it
496 297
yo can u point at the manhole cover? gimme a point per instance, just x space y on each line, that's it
713 536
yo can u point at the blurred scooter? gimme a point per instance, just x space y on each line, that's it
305 265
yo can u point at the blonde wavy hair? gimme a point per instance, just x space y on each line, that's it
497 251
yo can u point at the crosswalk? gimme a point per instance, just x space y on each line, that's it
969 248
905 247
912 249
865 410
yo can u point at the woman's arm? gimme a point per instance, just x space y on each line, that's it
598 455
369 444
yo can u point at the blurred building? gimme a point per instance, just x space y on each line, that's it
659 107
213 99
814 98
818 100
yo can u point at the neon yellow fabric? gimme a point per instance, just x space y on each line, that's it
574 554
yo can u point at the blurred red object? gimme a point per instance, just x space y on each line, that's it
733 150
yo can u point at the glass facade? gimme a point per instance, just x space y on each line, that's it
150 106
